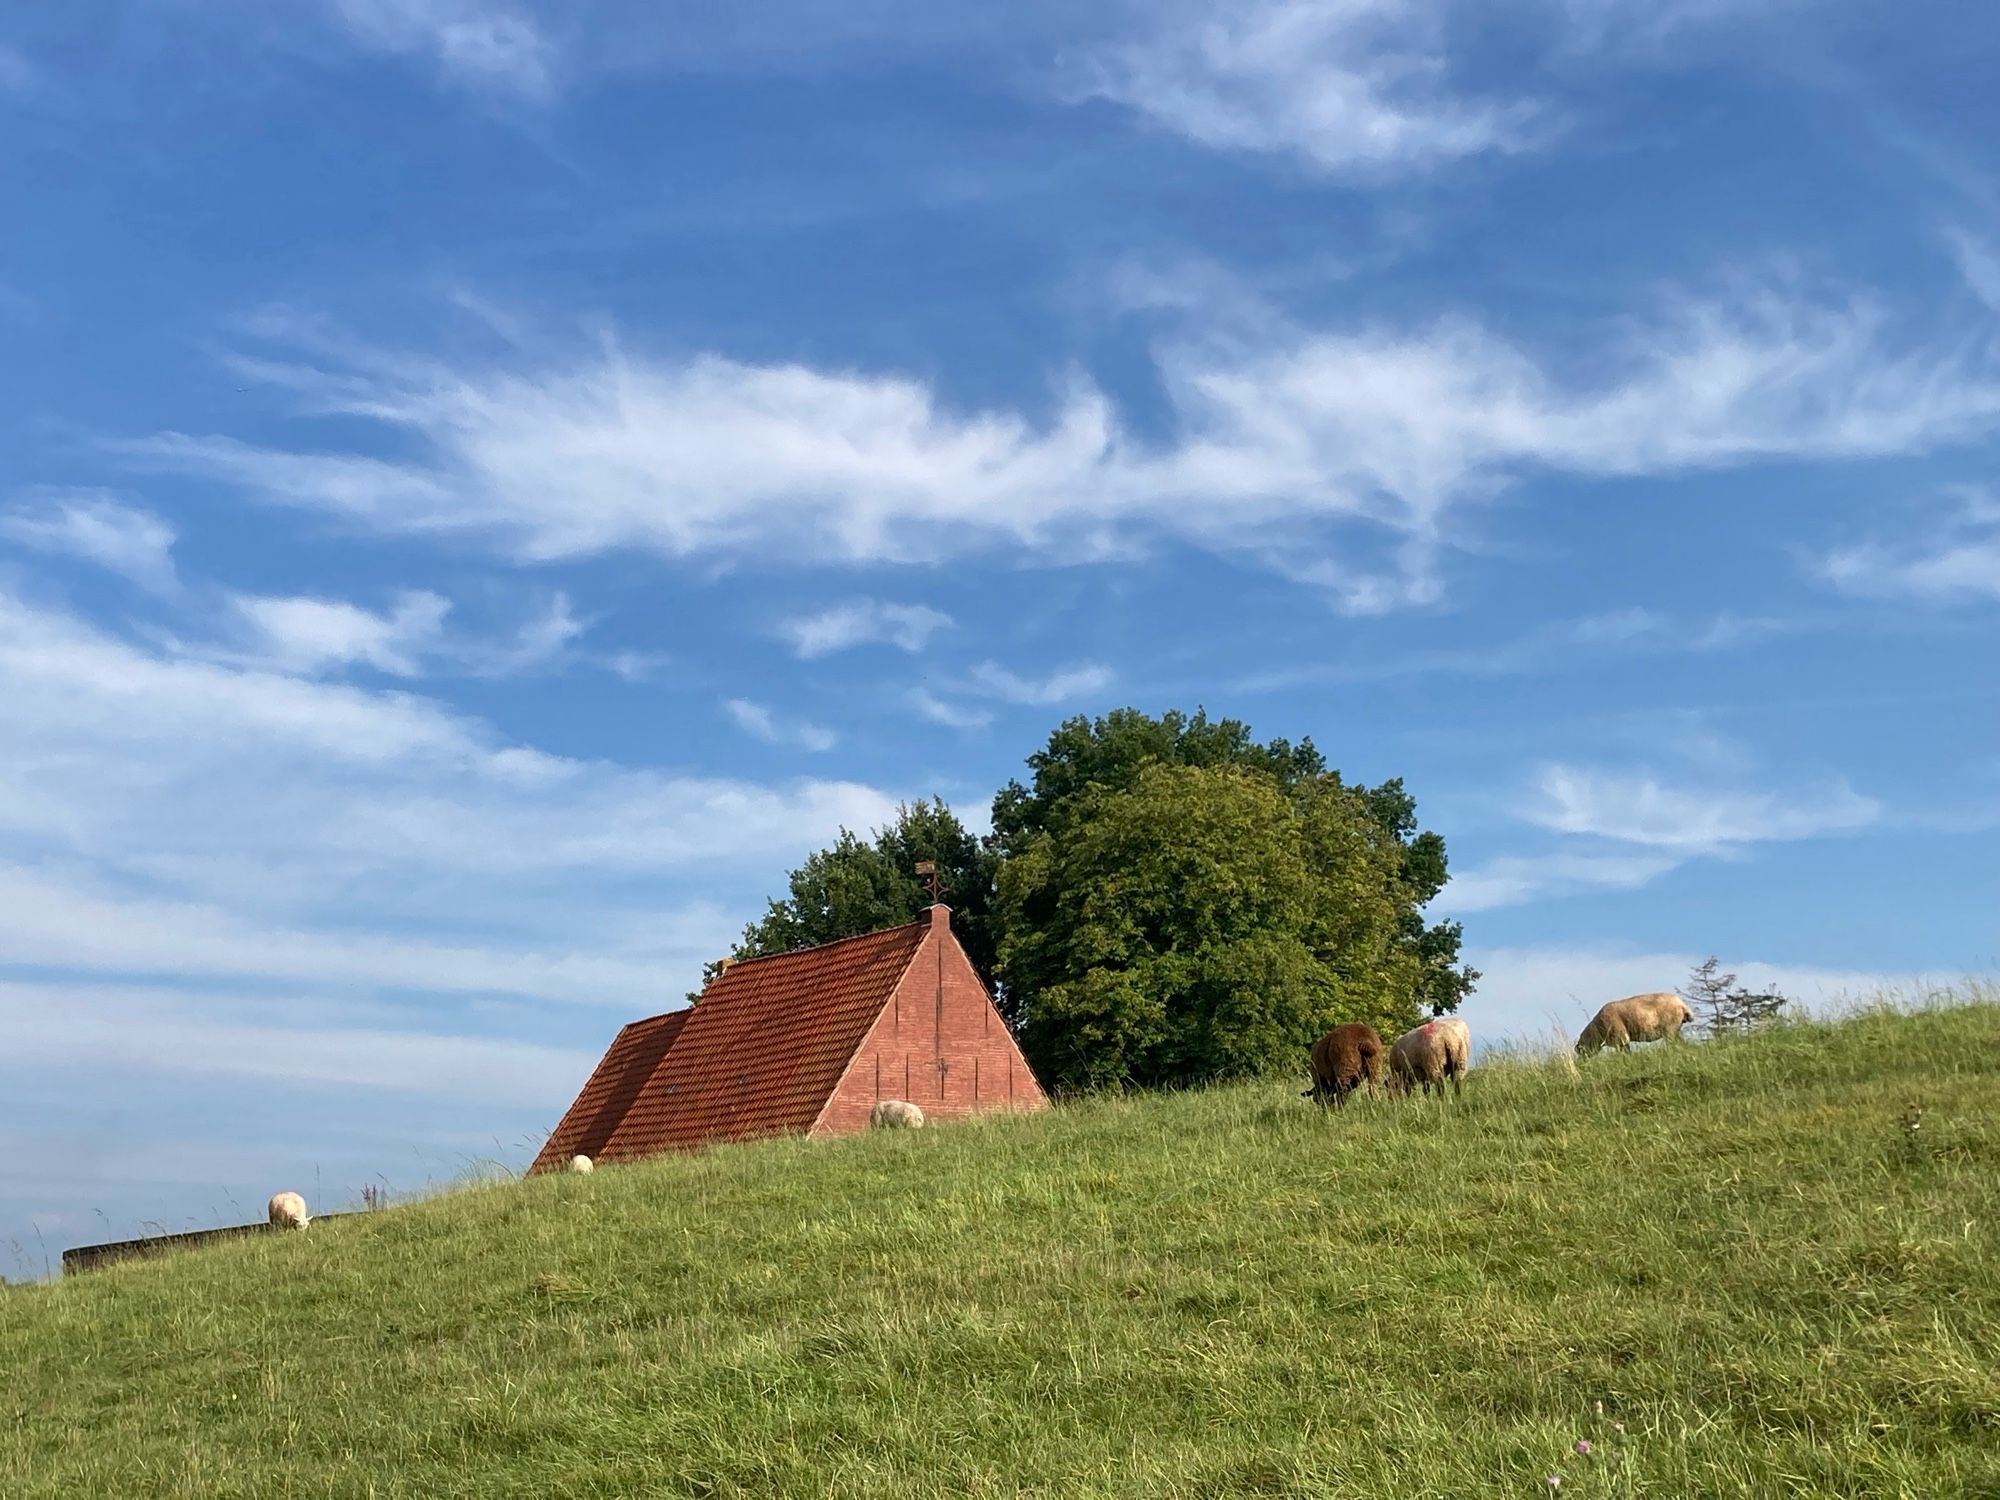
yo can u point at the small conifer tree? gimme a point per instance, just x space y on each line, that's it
1724 1005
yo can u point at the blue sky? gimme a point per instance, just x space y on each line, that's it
485 487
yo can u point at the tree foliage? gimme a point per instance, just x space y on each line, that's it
1723 1004
1167 900
1109 754
1205 923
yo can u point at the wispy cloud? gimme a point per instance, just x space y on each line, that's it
50 922
1059 686
152 1032
541 640
1514 880
1958 563
100 529
959 704
755 719
312 635
1373 88
1622 830
480 43
1386 433
16 73
863 622
1555 646
1978 262
952 715
410 638
635 666
1640 809
189 816
1348 86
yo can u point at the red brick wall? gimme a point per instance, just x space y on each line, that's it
983 1069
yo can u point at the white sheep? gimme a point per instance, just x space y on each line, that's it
1435 1051
582 1165
896 1114
288 1211
1637 1018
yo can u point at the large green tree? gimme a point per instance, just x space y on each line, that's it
1206 922
1166 900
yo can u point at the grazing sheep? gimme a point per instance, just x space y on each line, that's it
1637 1018
582 1165
896 1114
1343 1060
1439 1049
288 1211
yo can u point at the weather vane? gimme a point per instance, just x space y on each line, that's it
927 869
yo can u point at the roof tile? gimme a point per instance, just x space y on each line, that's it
633 1058
762 1051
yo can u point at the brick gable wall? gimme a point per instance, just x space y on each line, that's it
900 1057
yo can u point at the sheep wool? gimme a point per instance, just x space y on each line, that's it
1343 1060
288 1211
896 1114
1637 1018
1437 1051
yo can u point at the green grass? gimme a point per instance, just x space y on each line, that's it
1737 1248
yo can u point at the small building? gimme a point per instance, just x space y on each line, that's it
804 1043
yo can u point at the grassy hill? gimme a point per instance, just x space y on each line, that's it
1730 1267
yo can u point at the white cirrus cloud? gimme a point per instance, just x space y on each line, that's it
1388 434
311 635
1373 88
956 704
951 715
1558 644
132 1030
755 719
286 803
100 529
1059 686
1348 86
479 43
1978 262
863 622
91 928
1515 880
1637 808
1957 563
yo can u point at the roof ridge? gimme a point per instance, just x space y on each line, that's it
853 937
673 1010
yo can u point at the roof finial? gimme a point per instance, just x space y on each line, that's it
927 870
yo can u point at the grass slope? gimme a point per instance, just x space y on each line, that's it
1736 1248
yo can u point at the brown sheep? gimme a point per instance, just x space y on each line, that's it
1343 1060
1439 1049
1637 1018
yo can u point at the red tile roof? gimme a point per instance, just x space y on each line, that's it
634 1057
763 1050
